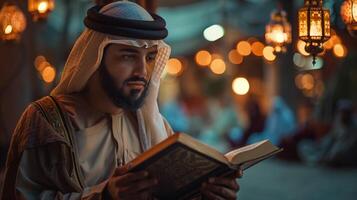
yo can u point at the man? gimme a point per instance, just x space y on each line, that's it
102 114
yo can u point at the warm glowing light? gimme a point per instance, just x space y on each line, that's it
240 86
174 66
203 58
257 48
234 57
339 50
12 22
301 47
349 15
213 32
307 81
42 7
8 29
268 53
218 66
298 81
244 48
314 26
48 74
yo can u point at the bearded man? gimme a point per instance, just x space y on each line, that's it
103 113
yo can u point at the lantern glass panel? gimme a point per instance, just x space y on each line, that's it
327 23
315 24
303 23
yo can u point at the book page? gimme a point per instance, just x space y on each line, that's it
251 152
234 152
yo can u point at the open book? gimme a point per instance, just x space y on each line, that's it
181 163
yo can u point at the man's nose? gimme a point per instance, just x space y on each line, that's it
141 68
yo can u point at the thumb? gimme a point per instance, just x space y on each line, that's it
122 170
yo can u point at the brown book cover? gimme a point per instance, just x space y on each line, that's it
181 163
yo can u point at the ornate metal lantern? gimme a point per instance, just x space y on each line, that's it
12 22
349 16
40 9
314 26
278 31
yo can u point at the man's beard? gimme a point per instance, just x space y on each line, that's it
117 96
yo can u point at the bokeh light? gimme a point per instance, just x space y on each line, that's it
257 48
174 66
234 57
268 53
301 48
240 86
213 32
203 58
218 66
42 7
8 29
299 60
339 50
48 74
244 48
307 81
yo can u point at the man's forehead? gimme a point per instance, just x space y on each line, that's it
130 48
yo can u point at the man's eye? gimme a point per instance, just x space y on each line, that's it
127 57
151 57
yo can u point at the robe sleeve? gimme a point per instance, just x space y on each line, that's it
34 183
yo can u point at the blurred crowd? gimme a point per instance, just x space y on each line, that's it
303 135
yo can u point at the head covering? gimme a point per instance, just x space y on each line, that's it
87 52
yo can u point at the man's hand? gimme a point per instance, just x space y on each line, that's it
221 188
123 185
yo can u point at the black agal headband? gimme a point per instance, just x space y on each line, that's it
139 29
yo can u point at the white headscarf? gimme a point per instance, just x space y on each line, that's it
87 54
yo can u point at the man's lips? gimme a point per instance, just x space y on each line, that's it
136 84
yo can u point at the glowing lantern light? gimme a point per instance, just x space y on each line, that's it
349 16
234 57
268 53
301 47
314 26
40 9
12 22
218 66
213 32
244 48
257 48
174 66
48 74
240 86
278 31
203 58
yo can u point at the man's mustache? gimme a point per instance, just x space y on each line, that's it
134 79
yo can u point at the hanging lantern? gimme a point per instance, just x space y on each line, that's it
349 16
40 9
12 22
278 31
314 26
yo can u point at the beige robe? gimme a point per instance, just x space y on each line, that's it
100 148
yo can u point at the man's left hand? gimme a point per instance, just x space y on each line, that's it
221 188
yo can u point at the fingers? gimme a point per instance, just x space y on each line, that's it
211 195
131 177
122 170
226 182
218 192
139 186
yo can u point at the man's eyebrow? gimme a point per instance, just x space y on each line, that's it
153 52
129 50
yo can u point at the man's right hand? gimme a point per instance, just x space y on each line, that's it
130 185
